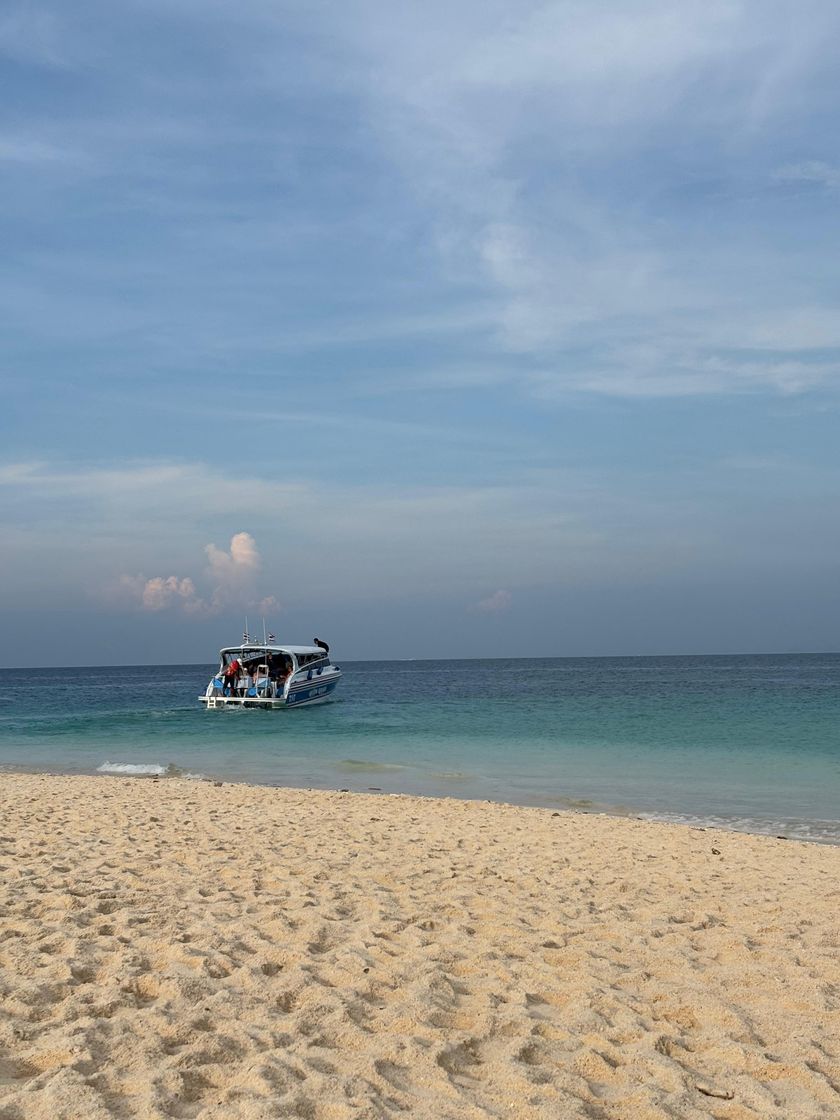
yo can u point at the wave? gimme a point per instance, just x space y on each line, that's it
354 764
148 770
139 768
784 828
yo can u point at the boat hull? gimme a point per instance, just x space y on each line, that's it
305 693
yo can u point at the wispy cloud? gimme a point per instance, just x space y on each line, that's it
813 171
71 535
499 601
357 539
26 150
577 96
534 171
33 33
167 488
671 369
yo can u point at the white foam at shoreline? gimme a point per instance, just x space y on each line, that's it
148 770
817 831
130 768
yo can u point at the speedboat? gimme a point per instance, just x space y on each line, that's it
263 675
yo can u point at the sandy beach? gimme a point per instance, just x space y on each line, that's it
183 949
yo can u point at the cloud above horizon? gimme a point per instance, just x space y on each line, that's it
230 579
499 601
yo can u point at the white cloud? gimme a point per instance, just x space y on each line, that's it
241 558
615 52
667 369
231 580
499 601
233 573
159 593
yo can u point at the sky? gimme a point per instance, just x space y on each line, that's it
436 330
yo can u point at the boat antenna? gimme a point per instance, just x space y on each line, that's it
245 637
265 642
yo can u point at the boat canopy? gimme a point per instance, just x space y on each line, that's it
257 649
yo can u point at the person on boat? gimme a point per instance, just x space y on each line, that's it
321 645
231 675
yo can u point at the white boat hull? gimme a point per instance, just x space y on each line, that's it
269 703
306 688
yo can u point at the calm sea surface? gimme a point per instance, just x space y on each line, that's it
746 742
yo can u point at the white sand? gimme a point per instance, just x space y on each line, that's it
174 949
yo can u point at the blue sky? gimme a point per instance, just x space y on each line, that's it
476 329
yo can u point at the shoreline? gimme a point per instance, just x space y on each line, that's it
822 832
188 949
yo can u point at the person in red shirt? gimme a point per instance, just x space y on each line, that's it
231 675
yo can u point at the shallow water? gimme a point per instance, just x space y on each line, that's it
751 742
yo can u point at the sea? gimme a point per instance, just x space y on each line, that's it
742 742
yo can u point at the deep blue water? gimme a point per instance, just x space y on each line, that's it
746 741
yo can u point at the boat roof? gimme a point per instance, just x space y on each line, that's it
261 647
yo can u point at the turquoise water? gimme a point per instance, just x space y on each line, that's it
747 742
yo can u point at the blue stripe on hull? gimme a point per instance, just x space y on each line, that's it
311 694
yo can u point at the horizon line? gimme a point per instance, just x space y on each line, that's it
402 660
